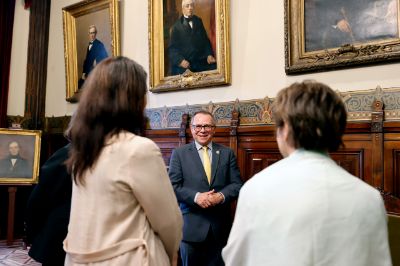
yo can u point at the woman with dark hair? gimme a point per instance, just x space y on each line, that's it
123 210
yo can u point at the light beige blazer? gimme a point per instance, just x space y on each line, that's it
127 212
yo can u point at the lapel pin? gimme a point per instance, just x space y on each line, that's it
217 152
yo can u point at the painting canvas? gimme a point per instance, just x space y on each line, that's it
19 156
189 44
91 34
321 35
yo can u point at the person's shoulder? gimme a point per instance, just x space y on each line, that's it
178 21
98 42
139 141
194 17
220 146
363 188
60 154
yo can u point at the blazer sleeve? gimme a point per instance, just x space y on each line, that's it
153 190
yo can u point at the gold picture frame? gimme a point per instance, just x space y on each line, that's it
77 21
19 156
163 15
324 35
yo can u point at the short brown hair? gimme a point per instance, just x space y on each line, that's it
315 114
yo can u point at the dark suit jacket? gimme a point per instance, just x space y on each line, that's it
48 209
190 44
188 177
21 168
97 52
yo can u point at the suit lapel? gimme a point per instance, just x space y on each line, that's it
216 153
185 25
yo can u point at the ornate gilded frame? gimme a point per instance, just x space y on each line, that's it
159 80
298 60
29 142
74 22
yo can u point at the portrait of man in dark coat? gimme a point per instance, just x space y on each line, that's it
95 53
189 45
13 165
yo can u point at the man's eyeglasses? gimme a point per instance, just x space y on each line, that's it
198 128
94 32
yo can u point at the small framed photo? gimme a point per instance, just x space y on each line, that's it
91 34
189 44
324 35
19 156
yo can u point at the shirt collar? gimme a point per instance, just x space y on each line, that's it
199 147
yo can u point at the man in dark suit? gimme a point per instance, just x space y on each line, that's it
189 46
206 180
48 209
95 52
14 165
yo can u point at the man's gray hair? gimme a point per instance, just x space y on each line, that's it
184 2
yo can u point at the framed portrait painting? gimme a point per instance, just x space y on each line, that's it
189 44
322 35
19 156
91 34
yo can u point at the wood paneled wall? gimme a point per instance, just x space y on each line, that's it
370 152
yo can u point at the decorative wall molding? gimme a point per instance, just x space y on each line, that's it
251 112
259 111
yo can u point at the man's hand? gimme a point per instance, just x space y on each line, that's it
203 199
209 199
184 64
215 198
211 59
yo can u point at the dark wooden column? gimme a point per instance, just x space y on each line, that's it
233 142
377 144
35 95
182 129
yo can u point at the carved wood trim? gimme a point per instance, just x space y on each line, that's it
233 131
377 143
182 129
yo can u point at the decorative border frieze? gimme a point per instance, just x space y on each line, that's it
251 112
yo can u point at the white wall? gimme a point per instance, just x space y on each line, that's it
257 58
19 56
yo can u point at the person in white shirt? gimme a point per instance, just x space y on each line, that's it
305 209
